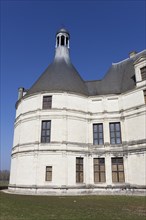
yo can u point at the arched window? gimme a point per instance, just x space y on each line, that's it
62 40
67 41
58 41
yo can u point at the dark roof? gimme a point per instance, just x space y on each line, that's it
63 30
119 78
60 76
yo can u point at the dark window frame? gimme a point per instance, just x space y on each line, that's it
143 73
115 134
99 170
79 169
47 102
46 131
98 136
144 93
48 176
117 169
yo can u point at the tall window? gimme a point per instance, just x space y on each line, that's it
115 133
98 134
143 73
49 173
62 40
46 130
99 170
79 170
117 169
144 93
47 102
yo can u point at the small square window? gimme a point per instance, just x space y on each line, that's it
49 173
47 102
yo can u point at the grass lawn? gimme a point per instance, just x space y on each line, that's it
14 207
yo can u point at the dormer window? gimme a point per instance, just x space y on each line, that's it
143 73
140 70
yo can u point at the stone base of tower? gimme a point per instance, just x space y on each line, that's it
85 190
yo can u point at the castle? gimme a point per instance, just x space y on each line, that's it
76 137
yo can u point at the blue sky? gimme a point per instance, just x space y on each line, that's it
102 32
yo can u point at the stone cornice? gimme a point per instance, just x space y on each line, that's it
83 115
138 146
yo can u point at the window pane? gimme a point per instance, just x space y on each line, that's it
121 176
117 125
112 140
102 177
120 167
118 140
100 141
96 168
102 168
44 124
96 177
81 177
95 141
100 135
101 160
118 135
96 161
112 135
95 135
47 132
114 167
48 124
100 128
112 127
47 139
114 177
95 128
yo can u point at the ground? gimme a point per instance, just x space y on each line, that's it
24 207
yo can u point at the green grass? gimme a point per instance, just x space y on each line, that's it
20 207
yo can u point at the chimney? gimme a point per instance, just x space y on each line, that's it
20 92
132 54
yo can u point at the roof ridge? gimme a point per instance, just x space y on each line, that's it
129 57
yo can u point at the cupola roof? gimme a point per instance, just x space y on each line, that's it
60 75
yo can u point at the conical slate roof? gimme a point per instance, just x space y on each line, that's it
59 76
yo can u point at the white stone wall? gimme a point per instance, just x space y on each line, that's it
72 117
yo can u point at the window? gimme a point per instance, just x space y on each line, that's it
144 92
57 41
98 134
47 102
117 169
99 170
46 130
143 73
62 40
49 173
79 170
115 133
